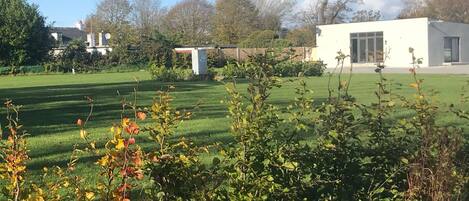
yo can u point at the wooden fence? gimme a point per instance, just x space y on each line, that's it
240 54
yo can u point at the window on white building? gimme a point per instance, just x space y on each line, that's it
451 49
367 47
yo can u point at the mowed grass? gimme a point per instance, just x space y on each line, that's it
52 103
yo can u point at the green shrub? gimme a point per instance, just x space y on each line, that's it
22 70
283 69
173 74
5 70
235 70
162 73
294 68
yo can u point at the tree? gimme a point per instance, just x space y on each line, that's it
366 16
113 15
188 22
448 10
259 39
147 15
75 56
157 49
327 12
24 37
273 12
234 20
301 37
413 8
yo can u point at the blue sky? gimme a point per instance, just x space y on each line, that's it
68 12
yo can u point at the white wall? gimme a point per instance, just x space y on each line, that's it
437 31
399 35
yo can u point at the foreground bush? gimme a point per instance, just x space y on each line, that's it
361 152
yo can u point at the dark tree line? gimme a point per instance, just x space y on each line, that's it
24 37
144 31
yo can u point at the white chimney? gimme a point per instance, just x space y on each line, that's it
90 38
101 39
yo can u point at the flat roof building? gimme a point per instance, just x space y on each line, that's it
437 43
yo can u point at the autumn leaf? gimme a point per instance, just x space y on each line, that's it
104 161
80 122
414 85
132 141
116 130
132 129
125 122
89 195
141 115
120 144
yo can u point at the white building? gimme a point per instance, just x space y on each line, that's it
64 35
438 43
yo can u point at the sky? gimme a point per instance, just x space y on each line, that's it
68 12
64 13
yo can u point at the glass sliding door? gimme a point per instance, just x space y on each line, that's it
362 51
354 50
366 47
451 49
379 49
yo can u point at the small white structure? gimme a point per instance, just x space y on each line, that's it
199 58
368 43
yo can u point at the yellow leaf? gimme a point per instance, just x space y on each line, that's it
89 195
125 122
83 134
120 144
116 130
93 145
414 85
184 159
103 161
329 146
343 84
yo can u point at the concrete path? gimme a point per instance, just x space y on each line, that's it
453 70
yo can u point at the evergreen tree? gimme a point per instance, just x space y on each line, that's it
24 37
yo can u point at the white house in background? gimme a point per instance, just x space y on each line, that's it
438 43
64 35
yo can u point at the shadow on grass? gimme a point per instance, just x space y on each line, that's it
54 109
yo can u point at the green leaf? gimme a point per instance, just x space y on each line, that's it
405 161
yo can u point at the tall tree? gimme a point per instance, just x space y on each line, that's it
188 22
324 12
112 15
366 16
413 8
147 15
24 37
327 12
448 10
272 13
234 20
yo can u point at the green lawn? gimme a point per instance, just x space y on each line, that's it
52 103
